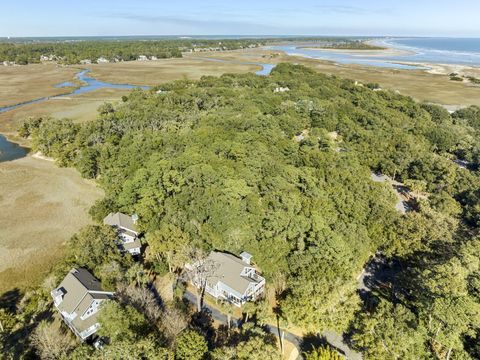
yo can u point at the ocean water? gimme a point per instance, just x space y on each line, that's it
438 50
460 45
418 50
343 57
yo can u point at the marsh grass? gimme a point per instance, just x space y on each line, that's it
42 207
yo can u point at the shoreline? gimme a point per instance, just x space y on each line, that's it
40 156
412 82
387 51
433 67
429 67
444 69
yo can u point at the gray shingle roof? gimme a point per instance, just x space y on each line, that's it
77 284
79 289
131 245
120 220
227 270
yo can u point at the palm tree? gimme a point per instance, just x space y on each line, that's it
229 310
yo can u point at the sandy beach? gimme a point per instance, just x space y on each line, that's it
446 69
360 53
431 68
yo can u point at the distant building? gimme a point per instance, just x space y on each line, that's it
78 299
86 62
153 58
281 89
127 231
102 60
299 137
235 279
142 58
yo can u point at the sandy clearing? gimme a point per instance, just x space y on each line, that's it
374 53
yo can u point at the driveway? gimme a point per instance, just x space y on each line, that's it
335 340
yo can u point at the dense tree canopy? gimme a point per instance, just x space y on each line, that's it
231 164
72 52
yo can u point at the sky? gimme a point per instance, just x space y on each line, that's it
240 17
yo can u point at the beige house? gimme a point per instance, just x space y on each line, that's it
78 299
127 231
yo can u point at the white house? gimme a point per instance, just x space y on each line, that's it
142 58
78 299
233 279
127 231
102 60
86 62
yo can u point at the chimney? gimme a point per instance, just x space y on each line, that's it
246 257
135 218
57 295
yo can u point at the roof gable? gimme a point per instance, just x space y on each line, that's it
120 220
79 288
229 270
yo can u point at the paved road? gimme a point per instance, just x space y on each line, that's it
332 338
400 190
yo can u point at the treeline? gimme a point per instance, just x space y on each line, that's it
352 45
121 50
231 164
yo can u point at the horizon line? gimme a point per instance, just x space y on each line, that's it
259 36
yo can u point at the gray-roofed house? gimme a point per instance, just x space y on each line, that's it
233 279
78 299
127 231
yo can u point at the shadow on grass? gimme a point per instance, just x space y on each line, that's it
9 300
